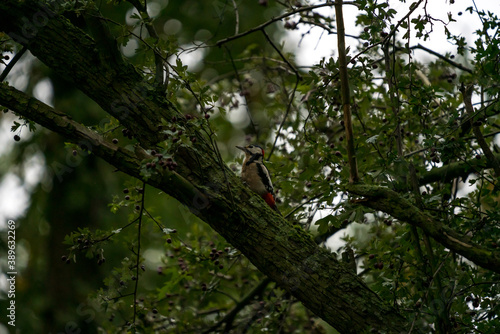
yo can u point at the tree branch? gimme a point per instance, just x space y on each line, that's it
390 202
345 92
467 95
440 56
11 63
286 254
455 170
229 317
278 18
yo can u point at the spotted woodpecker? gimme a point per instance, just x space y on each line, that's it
255 174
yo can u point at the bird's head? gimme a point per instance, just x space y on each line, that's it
252 150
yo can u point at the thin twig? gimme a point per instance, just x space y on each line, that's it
229 317
138 250
289 107
11 64
152 32
413 7
237 18
281 54
238 78
440 56
278 18
391 78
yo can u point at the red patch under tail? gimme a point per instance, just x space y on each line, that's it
270 201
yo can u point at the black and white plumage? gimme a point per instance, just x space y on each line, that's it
256 175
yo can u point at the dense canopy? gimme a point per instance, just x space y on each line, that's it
124 117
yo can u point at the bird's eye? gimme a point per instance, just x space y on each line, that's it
251 146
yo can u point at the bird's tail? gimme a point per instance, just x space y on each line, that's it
269 198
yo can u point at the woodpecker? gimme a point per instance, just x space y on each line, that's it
255 174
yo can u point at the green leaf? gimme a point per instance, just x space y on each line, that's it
15 126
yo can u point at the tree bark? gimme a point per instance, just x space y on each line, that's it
285 253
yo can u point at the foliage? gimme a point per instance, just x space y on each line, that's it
162 270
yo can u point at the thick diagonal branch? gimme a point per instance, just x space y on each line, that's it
284 253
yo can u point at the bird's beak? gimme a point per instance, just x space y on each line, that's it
242 148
